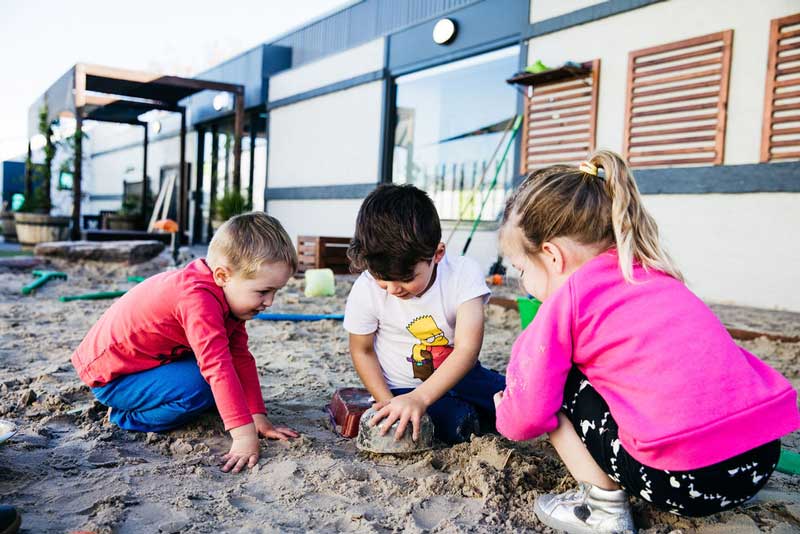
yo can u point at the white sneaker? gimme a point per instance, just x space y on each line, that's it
586 510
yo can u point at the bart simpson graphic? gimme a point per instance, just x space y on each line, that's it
433 348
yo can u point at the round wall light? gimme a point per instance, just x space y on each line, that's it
222 101
444 31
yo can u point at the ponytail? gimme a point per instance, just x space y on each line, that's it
596 204
635 230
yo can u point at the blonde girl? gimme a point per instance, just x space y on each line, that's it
640 387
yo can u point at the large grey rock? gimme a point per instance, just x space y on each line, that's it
129 252
370 439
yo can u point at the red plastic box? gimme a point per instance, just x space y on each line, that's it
346 408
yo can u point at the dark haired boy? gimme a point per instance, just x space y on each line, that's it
415 317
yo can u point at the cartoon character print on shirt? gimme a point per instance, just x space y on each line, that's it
433 348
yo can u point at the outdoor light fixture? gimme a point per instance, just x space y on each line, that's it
222 102
444 31
156 126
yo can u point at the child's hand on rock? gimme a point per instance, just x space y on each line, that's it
266 429
403 408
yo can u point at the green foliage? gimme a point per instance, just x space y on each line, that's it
131 205
232 203
46 129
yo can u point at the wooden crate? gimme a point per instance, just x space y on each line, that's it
320 252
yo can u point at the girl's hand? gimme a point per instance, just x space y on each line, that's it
244 449
405 408
498 397
265 429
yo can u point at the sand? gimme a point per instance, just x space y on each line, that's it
69 470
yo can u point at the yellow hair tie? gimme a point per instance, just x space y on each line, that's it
588 168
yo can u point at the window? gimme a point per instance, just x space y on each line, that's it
450 122
677 102
780 138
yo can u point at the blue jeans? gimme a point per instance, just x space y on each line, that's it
466 409
158 399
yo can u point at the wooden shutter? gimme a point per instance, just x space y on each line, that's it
677 102
780 136
560 120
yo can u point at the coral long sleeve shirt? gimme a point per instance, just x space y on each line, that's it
683 393
169 316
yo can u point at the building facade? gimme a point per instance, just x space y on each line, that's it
700 96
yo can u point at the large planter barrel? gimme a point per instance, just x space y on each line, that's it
9 228
33 228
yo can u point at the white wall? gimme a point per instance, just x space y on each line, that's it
612 38
316 217
330 69
545 9
735 249
331 139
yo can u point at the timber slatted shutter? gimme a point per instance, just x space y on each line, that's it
677 102
560 120
780 138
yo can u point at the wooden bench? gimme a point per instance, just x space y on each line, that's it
320 252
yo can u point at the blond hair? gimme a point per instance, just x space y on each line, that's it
602 208
244 242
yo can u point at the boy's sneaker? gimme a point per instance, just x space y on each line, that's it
586 510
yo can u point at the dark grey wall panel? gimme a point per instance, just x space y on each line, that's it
482 26
755 178
322 192
251 69
363 22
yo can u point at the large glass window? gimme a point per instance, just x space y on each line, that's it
450 122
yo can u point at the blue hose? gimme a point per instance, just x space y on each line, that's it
298 317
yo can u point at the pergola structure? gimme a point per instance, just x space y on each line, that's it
94 92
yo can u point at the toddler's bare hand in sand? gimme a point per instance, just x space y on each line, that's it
405 408
266 429
244 449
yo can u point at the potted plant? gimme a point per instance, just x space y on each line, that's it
129 217
231 203
33 221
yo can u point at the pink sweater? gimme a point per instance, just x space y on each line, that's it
165 318
683 394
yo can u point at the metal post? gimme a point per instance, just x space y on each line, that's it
253 126
184 190
197 221
214 171
143 201
238 129
76 176
29 175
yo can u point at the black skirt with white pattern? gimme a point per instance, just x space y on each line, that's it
694 493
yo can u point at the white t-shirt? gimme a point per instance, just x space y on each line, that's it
414 336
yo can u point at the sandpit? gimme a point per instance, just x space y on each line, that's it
68 470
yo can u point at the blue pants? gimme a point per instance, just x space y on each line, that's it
158 399
466 409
